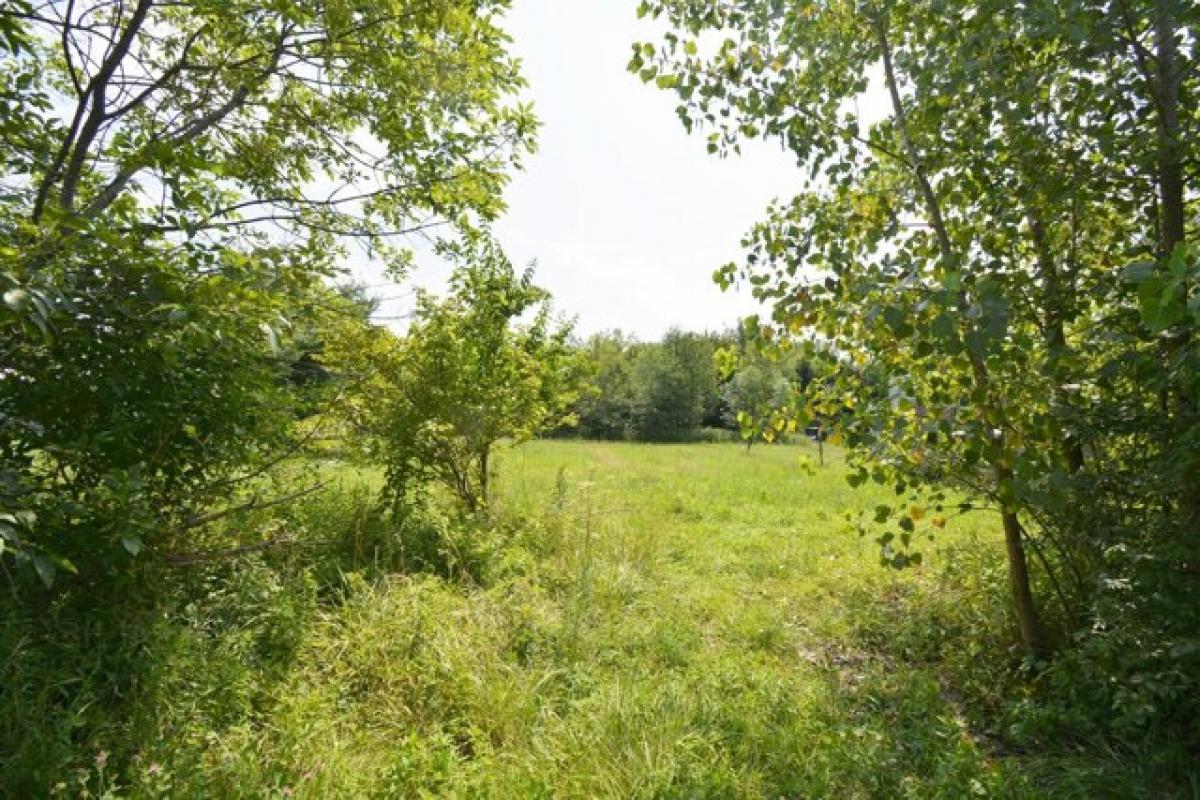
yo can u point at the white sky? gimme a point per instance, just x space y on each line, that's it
625 213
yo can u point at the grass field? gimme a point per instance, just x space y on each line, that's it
742 639
645 621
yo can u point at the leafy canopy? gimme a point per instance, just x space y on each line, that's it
1001 255
486 365
179 181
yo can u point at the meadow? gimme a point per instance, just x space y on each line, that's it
276 514
637 621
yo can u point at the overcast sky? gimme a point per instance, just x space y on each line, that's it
626 215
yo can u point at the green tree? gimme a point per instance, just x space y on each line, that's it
179 181
606 410
673 384
664 406
965 250
756 390
694 353
468 375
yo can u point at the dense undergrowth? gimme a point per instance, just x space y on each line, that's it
635 621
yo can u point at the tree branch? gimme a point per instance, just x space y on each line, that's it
188 133
915 163
94 99
160 82
253 504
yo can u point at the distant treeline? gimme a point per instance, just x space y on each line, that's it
676 388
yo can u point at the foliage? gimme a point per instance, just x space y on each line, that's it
651 391
694 354
158 389
178 180
756 390
606 410
664 403
1003 260
1002 257
469 374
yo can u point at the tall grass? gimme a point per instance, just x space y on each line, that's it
634 621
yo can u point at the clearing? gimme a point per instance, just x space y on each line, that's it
658 621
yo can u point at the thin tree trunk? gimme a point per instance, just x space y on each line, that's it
1026 609
483 475
1172 213
1018 570
1170 148
1056 339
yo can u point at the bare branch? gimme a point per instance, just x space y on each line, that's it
191 131
94 98
160 82
254 504
66 46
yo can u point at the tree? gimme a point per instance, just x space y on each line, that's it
968 246
665 406
467 376
694 354
673 384
179 181
606 410
754 391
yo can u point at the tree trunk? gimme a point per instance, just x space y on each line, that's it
1054 310
1018 569
1173 212
1170 148
1023 602
484 467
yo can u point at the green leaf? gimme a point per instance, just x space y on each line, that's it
1138 271
897 321
65 564
952 281
1177 263
1160 303
45 569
